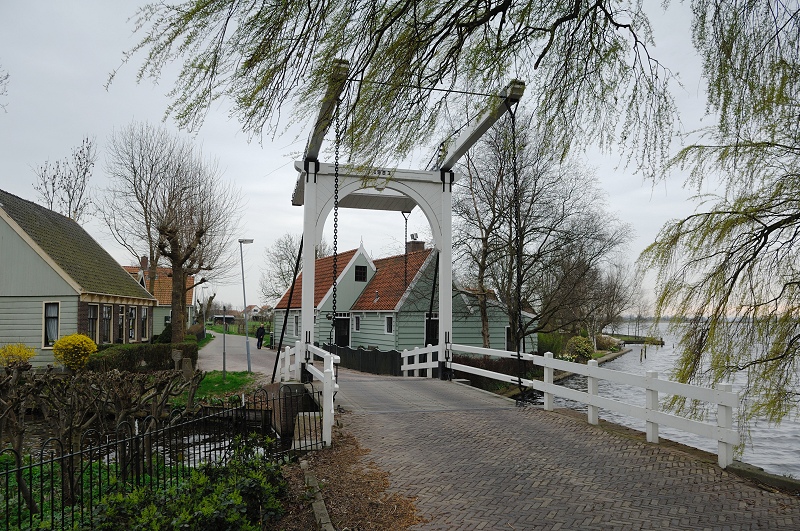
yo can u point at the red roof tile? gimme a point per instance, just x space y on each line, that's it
387 287
323 280
163 284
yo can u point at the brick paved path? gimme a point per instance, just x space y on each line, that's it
475 461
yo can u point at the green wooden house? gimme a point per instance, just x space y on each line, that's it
56 280
386 304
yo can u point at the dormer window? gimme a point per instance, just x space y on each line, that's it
361 273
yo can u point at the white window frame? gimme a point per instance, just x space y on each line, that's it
296 325
96 336
45 346
388 324
358 269
110 323
121 324
132 324
144 318
357 323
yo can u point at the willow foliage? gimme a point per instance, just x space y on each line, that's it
585 62
733 266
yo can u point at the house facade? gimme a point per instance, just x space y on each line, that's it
57 280
162 291
388 304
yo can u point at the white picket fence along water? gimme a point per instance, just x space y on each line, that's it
289 368
650 384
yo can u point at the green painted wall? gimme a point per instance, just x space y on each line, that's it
22 321
24 272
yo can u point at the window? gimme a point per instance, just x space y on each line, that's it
296 325
361 273
143 332
92 317
357 323
131 323
50 332
105 325
121 325
389 324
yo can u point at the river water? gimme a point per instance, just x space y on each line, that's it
776 449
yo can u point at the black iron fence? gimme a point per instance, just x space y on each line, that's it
59 486
372 361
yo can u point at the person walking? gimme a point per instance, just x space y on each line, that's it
260 336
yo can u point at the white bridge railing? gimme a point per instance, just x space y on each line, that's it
724 399
289 367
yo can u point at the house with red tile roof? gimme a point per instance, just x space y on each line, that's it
162 291
390 304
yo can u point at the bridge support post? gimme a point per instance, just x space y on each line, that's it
591 382
725 421
651 404
548 380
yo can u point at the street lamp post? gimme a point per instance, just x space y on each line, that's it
244 297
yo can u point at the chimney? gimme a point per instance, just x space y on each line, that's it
415 245
143 263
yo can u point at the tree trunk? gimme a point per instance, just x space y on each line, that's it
178 305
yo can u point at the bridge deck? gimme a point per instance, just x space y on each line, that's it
475 461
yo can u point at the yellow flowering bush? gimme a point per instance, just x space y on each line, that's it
15 354
73 351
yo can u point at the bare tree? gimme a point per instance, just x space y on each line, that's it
280 259
62 186
564 230
140 157
4 77
167 201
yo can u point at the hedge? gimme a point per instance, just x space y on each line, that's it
144 356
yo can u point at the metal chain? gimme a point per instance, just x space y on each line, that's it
518 237
336 215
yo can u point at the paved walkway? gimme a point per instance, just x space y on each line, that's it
210 356
475 461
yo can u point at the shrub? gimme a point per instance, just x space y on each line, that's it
15 354
606 342
195 331
579 349
73 351
242 494
165 336
139 356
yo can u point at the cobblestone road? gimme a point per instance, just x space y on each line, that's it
475 461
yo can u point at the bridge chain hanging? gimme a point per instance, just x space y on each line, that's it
336 215
519 240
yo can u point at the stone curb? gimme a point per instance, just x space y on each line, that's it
321 517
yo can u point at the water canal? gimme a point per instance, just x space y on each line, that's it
776 449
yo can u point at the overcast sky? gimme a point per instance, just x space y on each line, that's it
59 56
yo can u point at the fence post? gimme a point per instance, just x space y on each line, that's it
591 383
286 363
651 404
299 354
327 401
724 421
548 379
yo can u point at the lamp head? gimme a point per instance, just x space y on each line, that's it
245 240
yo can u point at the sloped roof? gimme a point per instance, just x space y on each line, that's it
72 249
323 280
388 286
163 284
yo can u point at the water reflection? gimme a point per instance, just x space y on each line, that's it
776 449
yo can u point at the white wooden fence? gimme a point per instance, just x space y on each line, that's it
724 399
289 366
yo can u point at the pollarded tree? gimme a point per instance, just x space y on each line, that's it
168 203
586 62
732 267
196 220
